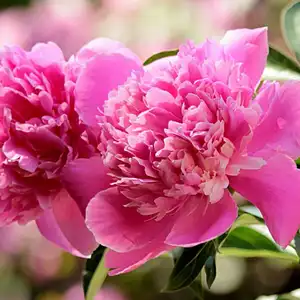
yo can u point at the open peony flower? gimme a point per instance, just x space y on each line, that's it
175 137
41 132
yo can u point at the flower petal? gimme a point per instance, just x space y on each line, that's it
250 47
119 227
161 64
275 190
125 262
200 222
279 129
105 46
46 54
64 225
84 178
101 74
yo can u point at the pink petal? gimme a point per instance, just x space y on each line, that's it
101 74
105 46
84 178
122 228
46 54
275 190
200 222
128 261
279 129
250 47
161 64
64 225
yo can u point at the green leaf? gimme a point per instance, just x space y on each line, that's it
280 67
197 289
189 265
291 27
248 242
287 297
210 270
297 243
160 55
94 274
253 211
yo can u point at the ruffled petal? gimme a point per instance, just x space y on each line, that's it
100 75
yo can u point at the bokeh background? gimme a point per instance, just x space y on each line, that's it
32 268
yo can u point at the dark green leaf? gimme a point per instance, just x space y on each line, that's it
298 163
189 265
291 27
297 243
280 67
160 55
248 242
197 289
91 267
176 253
210 270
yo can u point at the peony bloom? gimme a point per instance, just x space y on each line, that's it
41 132
176 136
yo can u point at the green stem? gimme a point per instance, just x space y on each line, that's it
97 280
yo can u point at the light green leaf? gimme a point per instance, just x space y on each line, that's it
291 27
160 55
95 273
251 210
247 242
280 67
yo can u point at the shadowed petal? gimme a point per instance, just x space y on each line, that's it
64 225
200 222
126 262
275 191
84 178
119 227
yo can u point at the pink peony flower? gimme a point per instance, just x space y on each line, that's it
41 132
175 137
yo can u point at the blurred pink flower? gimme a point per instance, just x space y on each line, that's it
70 24
176 137
41 132
224 14
106 293
13 27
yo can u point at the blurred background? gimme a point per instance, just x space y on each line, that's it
31 268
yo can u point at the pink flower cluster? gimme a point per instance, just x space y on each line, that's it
145 156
